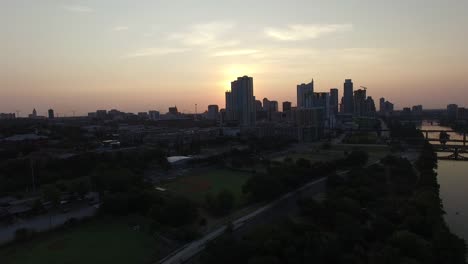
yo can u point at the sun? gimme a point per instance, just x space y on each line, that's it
231 72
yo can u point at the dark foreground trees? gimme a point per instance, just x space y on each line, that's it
385 213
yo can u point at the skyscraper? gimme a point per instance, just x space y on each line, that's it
382 105
286 106
258 105
334 100
359 102
348 96
240 101
304 94
51 114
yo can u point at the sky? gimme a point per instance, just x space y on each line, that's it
83 55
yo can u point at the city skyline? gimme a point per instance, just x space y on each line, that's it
85 55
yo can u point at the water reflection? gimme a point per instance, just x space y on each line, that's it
453 180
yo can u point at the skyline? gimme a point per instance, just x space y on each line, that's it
86 55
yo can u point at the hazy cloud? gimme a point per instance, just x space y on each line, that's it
208 35
120 28
78 9
154 52
305 31
235 52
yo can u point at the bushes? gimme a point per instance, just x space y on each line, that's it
24 234
221 204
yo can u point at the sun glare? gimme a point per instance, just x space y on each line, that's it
231 72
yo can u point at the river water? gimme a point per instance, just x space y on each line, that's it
453 181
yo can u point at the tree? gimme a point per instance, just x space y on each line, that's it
222 203
175 211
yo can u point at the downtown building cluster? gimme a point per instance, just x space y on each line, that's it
314 111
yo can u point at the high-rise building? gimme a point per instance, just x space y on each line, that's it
348 96
258 105
286 106
385 107
452 110
33 114
273 106
370 106
153 114
417 110
213 111
322 100
51 113
173 110
382 105
359 102
240 101
304 94
266 104
229 109
334 100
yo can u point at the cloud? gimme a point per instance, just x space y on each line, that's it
120 28
78 9
235 52
208 35
155 52
304 31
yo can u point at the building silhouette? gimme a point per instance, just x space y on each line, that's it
286 106
213 111
348 96
334 100
51 114
240 102
153 115
304 94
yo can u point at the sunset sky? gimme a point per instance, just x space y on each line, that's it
148 54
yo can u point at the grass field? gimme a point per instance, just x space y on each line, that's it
98 241
196 184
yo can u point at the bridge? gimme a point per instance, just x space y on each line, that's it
454 146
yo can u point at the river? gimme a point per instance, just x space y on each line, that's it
453 181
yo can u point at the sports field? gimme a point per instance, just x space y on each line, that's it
196 184
98 241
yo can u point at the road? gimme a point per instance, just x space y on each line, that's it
190 250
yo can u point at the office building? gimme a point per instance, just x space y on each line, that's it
359 102
452 111
33 114
154 115
213 111
173 110
7 116
258 105
266 104
240 102
51 113
286 106
102 114
348 96
334 100
304 94
417 110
